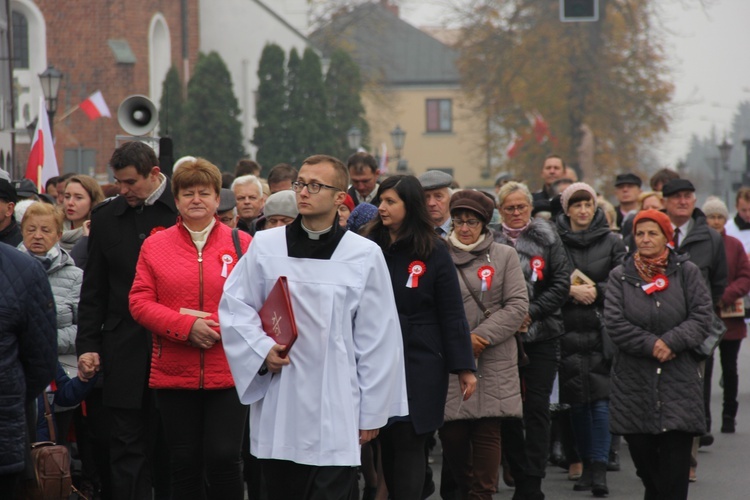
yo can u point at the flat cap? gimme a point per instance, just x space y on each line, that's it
227 201
281 203
502 177
628 179
675 186
25 188
435 179
7 191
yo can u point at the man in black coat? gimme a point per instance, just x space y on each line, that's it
706 250
28 356
108 337
364 173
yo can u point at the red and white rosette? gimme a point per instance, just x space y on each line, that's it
537 268
227 259
485 274
660 283
156 230
416 269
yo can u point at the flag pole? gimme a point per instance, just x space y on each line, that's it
67 113
39 178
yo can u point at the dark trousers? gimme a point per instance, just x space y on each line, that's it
537 379
472 448
204 434
707 391
286 480
729 351
662 462
132 444
92 432
404 460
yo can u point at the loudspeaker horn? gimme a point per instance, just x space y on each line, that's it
137 115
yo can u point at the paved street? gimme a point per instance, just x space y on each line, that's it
723 468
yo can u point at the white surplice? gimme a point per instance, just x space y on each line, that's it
346 369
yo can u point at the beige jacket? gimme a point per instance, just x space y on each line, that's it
498 391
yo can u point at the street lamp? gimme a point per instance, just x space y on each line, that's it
398 136
725 149
354 136
50 80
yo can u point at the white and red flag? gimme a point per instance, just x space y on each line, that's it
95 107
516 142
42 164
383 164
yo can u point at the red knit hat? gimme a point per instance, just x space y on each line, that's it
349 202
656 216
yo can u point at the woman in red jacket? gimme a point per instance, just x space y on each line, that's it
738 285
179 281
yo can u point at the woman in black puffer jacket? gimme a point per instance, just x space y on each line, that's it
586 361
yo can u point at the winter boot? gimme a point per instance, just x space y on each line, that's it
599 479
584 482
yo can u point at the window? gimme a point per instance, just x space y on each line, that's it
439 115
20 41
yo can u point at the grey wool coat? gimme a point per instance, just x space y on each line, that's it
649 397
498 392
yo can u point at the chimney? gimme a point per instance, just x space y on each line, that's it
391 7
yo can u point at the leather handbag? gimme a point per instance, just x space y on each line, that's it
51 464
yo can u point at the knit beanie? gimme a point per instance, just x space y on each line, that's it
361 215
655 216
714 205
574 188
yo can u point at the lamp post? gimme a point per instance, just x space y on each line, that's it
398 137
725 149
354 136
50 80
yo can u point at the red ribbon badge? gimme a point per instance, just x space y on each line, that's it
660 283
485 274
537 266
416 269
227 258
156 230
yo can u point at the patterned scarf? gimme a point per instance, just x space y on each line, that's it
649 267
513 234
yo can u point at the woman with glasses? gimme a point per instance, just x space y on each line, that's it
547 275
433 325
593 250
495 301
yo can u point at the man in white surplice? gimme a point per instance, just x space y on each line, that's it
344 376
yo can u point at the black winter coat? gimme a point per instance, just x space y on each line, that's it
546 296
706 250
434 328
584 369
649 397
28 349
105 325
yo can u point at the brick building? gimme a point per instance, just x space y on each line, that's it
118 47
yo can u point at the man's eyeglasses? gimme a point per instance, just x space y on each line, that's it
312 187
472 223
517 208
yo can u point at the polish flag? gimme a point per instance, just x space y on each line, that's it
95 107
42 164
515 145
541 128
383 164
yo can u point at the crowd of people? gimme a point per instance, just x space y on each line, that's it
519 328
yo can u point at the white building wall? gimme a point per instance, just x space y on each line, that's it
238 30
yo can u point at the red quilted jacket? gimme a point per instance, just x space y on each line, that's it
169 276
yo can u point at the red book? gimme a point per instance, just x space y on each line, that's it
277 316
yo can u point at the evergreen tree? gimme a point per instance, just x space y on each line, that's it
171 110
211 126
294 125
270 133
345 109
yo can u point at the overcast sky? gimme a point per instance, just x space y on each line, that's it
709 51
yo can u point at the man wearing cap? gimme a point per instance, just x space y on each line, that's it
436 185
627 190
364 173
10 231
693 236
26 190
280 210
552 169
501 180
227 211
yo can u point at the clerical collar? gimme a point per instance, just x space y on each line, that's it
158 192
315 235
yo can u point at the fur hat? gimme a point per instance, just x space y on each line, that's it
655 216
714 205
